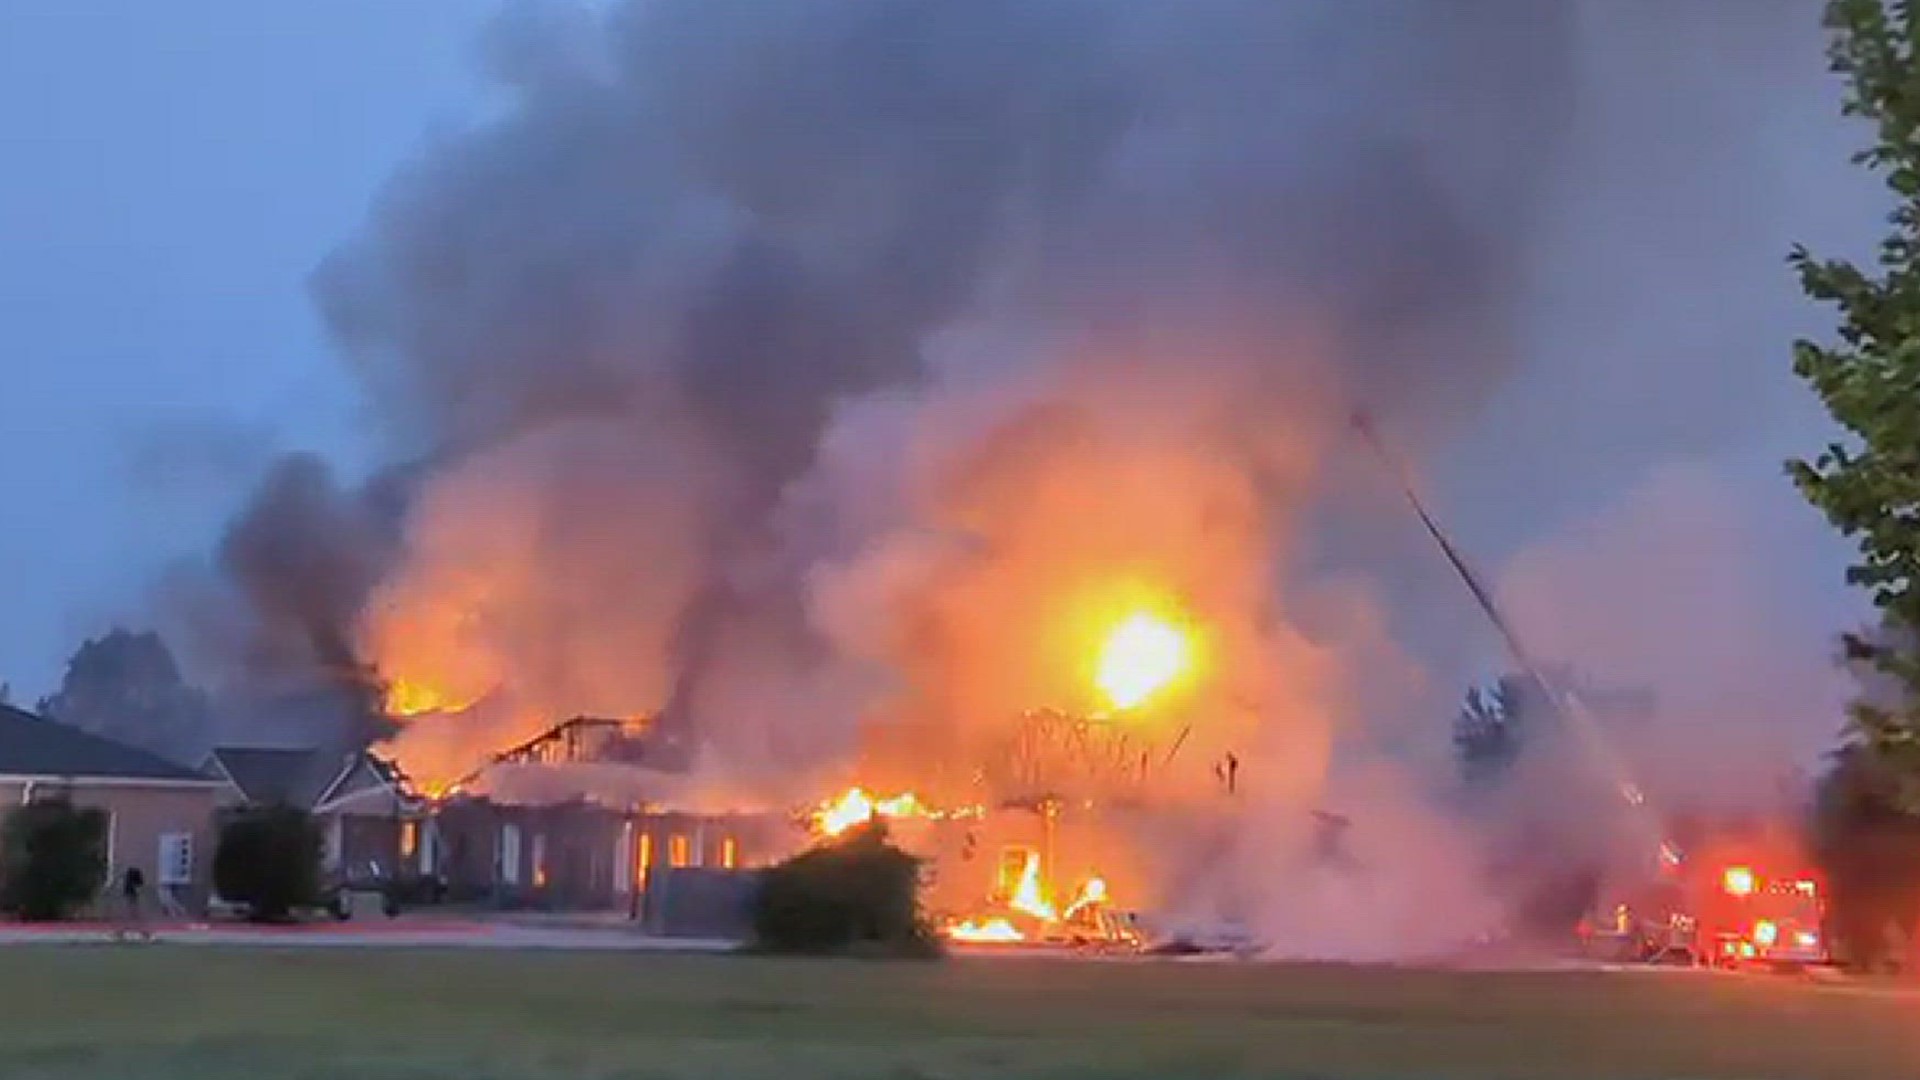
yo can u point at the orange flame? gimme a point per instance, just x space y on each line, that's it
405 697
857 807
985 931
1030 895
1092 894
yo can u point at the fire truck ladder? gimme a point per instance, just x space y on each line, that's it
1568 704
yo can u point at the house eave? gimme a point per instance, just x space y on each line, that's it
111 781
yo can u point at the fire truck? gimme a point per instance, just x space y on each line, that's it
1753 917
1734 909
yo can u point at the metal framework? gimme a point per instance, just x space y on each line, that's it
1050 754
581 739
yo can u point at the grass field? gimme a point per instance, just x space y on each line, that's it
167 1012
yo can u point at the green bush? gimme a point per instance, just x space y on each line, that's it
53 859
268 860
859 894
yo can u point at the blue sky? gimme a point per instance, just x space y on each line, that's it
169 175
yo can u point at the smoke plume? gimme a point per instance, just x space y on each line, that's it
786 367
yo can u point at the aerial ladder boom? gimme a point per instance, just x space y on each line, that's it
1566 703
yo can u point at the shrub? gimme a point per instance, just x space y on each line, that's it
53 859
860 894
268 860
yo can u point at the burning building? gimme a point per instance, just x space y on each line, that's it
582 855
584 817
945 399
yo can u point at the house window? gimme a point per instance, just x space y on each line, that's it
429 848
176 859
677 847
336 842
623 860
539 860
645 857
729 853
510 854
409 838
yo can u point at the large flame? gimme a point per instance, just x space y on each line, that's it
1030 899
856 807
1030 895
995 931
407 697
1141 657
1092 895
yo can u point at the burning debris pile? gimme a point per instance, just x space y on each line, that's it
1020 907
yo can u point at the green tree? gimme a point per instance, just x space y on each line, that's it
126 686
1870 849
1486 731
268 859
1868 482
1496 723
53 859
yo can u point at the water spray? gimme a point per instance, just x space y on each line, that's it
1564 702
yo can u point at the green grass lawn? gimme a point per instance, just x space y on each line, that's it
165 1012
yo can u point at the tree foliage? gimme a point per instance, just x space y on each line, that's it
1869 846
1497 722
268 859
1868 482
126 686
1486 732
859 893
53 859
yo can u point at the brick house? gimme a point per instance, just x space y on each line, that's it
372 824
160 816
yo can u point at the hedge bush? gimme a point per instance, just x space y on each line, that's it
53 859
268 860
857 894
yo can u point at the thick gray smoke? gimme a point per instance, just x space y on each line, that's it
776 363
725 219
271 624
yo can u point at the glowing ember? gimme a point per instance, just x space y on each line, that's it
856 807
990 931
1030 895
1140 657
1092 894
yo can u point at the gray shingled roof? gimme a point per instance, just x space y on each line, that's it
37 748
270 775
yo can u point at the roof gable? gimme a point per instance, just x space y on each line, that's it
363 776
272 774
38 748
